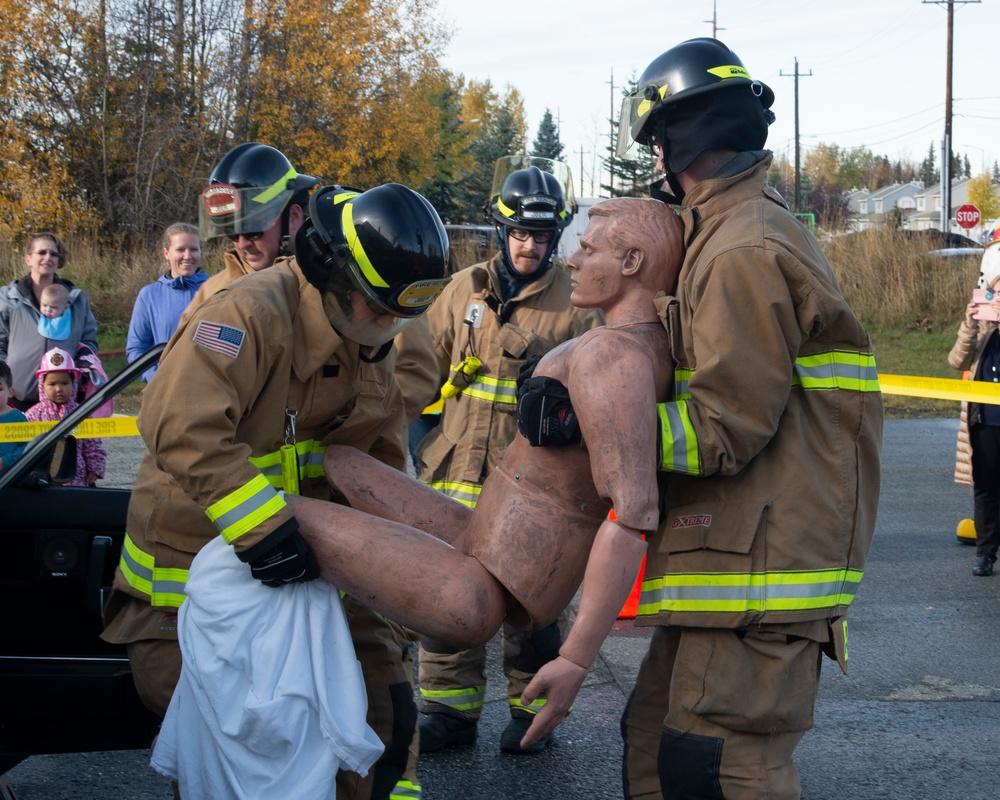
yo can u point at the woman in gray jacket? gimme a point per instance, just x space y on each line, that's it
24 335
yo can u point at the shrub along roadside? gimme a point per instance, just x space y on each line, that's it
911 303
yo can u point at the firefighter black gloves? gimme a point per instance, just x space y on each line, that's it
286 557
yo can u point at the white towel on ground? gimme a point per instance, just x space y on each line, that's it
271 701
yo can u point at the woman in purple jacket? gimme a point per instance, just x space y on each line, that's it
159 306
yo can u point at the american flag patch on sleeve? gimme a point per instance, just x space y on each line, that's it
221 338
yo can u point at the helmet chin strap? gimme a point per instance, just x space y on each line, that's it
674 196
284 247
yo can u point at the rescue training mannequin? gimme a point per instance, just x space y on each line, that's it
541 523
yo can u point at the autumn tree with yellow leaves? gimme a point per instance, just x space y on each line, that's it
113 112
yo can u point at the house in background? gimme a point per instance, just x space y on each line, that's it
874 209
928 214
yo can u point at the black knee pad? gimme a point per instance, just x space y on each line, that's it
689 766
390 767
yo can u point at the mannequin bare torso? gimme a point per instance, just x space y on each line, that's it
538 513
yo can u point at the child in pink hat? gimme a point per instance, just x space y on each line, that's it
58 381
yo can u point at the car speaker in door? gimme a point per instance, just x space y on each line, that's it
60 554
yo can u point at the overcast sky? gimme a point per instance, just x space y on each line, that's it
878 75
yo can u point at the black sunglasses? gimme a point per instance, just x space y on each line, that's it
253 237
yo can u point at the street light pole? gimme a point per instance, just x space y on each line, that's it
982 157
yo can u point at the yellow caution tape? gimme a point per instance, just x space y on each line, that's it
940 388
101 427
914 386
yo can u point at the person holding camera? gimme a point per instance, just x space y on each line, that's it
977 460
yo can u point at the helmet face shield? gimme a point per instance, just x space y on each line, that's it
249 190
227 211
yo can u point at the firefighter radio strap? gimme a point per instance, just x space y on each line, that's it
464 373
288 454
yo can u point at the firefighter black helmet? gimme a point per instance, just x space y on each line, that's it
249 190
531 199
685 71
386 246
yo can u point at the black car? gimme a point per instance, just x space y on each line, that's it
62 689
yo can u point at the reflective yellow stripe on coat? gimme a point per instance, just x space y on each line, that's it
310 459
490 389
245 509
733 592
836 370
165 587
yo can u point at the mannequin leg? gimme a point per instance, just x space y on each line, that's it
405 573
373 487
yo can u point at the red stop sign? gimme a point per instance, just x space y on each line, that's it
967 216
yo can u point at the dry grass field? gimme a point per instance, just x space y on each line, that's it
911 302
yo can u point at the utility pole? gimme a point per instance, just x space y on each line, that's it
798 169
611 149
946 143
714 20
581 153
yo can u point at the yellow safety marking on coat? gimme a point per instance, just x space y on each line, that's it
941 388
100 427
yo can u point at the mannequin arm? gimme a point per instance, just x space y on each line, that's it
611 570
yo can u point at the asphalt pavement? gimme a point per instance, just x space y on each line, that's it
917 717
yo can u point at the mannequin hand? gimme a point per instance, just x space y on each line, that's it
559 681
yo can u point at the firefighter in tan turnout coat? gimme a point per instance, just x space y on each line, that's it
489 321
253 387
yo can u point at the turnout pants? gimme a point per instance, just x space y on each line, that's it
453 680
718 713
382 647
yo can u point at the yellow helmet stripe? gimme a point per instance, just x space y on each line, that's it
504 209
354 243
276 188
729 72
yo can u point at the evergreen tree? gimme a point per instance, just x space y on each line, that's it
547 144
996 172
501 132
631 174
928 174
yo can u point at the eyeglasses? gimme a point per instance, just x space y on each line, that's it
253 237
47 253
542 237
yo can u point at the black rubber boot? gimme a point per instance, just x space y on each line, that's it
510 740
441 730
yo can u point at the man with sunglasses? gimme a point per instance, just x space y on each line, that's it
257 200
489 321
257 381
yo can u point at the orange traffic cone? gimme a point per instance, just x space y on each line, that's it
632 603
